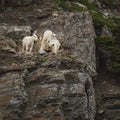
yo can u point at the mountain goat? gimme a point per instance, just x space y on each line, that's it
54 45
28 43
48 34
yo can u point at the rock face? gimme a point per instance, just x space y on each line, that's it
105 32
14 31
108 98
52 87
11 36
19 2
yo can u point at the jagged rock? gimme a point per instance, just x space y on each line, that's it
7 44
19 2
109 97
106 32
96 3
16 3
15 32
64 91
58 87
13 96
75 40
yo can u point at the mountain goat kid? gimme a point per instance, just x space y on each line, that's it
28 43
48 34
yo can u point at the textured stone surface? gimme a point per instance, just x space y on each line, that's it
12 96
105 32
14 31
64 93
19 2
108 98
11 36
52 87
7 44
78 40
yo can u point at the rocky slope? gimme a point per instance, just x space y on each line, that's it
49 87
60 87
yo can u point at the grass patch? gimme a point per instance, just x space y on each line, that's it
42 59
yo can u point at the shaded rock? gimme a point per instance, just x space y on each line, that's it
58 87
13 94
16 63
62 87
96 3
109 97
14 31
19 2
106 32
7 44
77 41
64 90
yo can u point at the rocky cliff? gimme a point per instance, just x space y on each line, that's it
49 87
62 87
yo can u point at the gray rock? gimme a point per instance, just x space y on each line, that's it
7 44
78 40
15 32
106 32
13 96
19 2
69 91
58 87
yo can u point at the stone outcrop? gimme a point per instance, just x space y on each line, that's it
11 37
15 32
7 44
52 87
108 98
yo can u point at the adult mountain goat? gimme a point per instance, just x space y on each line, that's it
54 45
48 34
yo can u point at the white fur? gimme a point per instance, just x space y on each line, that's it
54 44
28 43
48 34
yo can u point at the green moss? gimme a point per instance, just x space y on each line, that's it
42 59
98 18
116 28
100 21
105 40
111 50
72 57
115 67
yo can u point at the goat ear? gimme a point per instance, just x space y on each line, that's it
54 35
35 32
